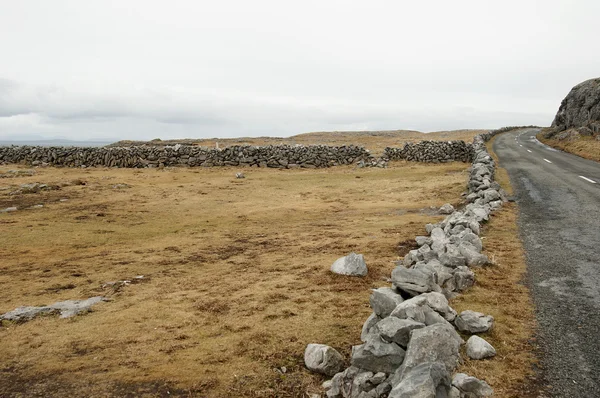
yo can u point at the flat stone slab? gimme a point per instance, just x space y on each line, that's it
66 309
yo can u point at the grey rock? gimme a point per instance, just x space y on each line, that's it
383 301
464 278
396 330
478 348
427 380
413 281
474 322
323 359
8 210
472 256
240 175
446 209
352 265
580 108
371 321
410 258
435 343
454 393
66 309
423 240
377 356
471 386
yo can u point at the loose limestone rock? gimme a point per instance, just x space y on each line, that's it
66 309
396 330
471 386
435 343
446 209
413 281
478 348
427 380
352 265
323 359
371 321
377 356
383 301
474 322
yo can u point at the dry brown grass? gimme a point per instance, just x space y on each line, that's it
586 147
376 141
499 291
236 274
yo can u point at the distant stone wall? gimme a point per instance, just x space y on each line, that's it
279 156
276 156
432 152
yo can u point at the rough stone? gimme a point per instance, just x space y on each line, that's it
352 265
66 309
396 330
383 301
371 321
580 108
474 322
377 356
478 348
446 209
427 380
471 386
413 281
323 359
435 343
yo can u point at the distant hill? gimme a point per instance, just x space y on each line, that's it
375 141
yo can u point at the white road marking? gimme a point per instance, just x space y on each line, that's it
520 145
547 161
588 180
528 151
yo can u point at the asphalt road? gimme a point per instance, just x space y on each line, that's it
558 195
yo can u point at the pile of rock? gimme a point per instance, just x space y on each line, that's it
432 152
410 342
276 156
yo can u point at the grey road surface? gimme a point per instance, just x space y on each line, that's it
558 196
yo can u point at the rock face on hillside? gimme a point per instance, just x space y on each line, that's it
580 109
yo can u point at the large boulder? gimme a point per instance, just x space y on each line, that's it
353 265
580 108
473 322
323 359
427 380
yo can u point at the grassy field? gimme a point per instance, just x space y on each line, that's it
584 146
236 279
376 141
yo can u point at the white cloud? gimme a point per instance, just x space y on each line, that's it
146 69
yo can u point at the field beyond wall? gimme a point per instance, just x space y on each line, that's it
235 273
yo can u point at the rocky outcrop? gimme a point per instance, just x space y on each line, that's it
66 309
580 109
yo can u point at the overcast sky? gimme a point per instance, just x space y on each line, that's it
107 69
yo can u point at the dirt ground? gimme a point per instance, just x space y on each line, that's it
235 273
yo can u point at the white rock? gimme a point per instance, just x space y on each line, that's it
478 348
353 265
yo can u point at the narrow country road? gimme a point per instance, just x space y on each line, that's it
558 195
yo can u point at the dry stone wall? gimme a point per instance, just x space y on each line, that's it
276 156
410 344
432 151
